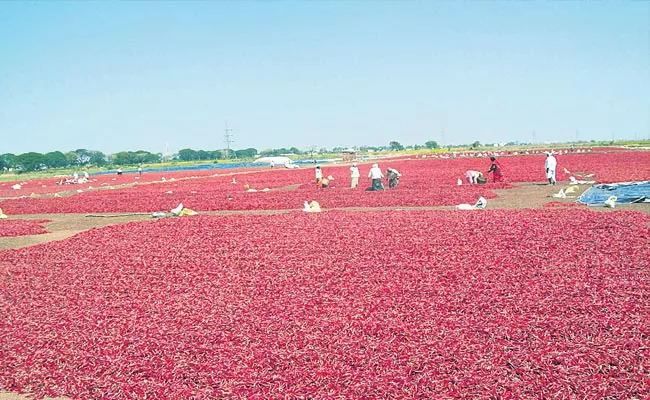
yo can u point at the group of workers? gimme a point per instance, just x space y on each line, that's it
375 175
86 177
75 179
474 177
120 172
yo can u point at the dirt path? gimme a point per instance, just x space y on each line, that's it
15 396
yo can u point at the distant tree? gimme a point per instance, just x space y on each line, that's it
29 161
187 155
124 158
395 146
142 156
246 153
55 159
83 156
72 158
476 145
311 149
274 152
203 155
7 160
97 158
136 157
431 144
294 150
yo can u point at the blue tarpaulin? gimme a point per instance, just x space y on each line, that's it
626 193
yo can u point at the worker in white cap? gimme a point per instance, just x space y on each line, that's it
376 175
354 175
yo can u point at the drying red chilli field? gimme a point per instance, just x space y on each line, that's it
424 182
549 303
22 227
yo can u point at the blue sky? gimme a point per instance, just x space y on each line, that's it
114 76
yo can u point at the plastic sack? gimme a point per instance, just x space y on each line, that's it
481 203
186 211
560 194
311 207
611 202
177 210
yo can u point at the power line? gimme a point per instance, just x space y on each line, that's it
228 140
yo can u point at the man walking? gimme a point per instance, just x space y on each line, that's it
550 165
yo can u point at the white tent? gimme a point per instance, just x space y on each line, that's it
278 161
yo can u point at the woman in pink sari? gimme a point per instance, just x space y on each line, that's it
495 168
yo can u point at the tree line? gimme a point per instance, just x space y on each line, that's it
79 158
82 158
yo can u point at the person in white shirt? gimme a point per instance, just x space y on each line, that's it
473 176
354 175
550 165
376 175
319 174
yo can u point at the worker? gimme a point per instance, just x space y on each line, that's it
473 176
495 168
550 165
393 177
354 175
323 183
319 173
376 175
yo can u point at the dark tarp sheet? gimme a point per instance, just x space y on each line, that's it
626 193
